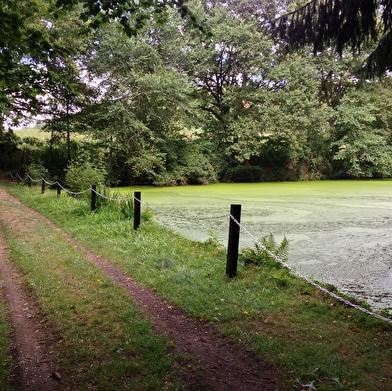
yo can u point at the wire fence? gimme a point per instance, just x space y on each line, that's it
224 216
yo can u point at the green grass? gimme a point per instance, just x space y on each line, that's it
284 320
39 134
35 132
101 338
5 359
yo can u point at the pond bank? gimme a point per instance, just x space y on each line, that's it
340 232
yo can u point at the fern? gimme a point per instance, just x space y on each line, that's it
282 252
262 252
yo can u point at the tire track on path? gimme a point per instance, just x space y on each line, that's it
33 368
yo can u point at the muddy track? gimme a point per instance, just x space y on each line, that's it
34 369
214 362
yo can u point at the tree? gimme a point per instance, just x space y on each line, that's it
65 90
22 44
65 95
361 147
142 103
131 14
286 130
247 107
26 40
224 70
342 24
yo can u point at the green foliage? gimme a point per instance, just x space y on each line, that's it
342 25
263 252
245 174
198 169
126 205
37 171
83 173
274 158
166 109
187 162
361 148
213 240
9 156
32 149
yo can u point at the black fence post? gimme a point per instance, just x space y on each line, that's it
43 186
58 189
136 210
93 197
234 241
18 178
29 180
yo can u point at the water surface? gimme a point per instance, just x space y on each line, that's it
340 232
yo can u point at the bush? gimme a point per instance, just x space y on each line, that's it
37 171
10 155
83 173
245 174
173 178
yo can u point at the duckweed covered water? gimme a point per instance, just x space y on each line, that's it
340 232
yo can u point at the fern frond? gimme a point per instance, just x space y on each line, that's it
282 252
261 253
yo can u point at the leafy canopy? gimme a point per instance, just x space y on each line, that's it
342 24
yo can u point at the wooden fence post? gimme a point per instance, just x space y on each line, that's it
43 186
29 180
93 197
136 210
234 241
58 189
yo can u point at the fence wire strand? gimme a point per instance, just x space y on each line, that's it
182 217
112 198
49 183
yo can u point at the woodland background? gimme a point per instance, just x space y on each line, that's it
174 104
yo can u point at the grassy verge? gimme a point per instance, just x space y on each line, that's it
319 343
103 340
5 360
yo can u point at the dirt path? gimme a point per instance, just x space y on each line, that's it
34 370
218 364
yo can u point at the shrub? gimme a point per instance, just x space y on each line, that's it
37 171
83 173
245 174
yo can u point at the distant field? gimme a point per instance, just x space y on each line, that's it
36 132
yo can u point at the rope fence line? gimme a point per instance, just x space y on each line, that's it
308 280
112 198
49 183
181 216
72 192
240 226
17 176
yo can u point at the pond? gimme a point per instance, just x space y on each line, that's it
340 232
